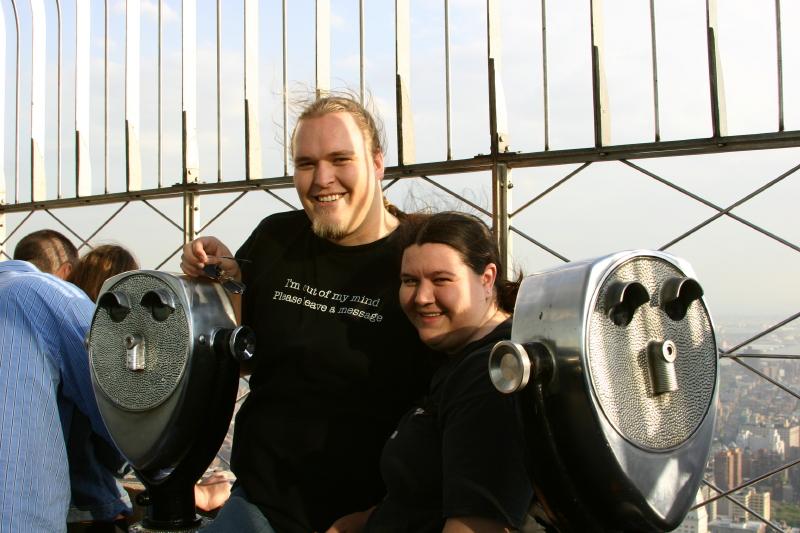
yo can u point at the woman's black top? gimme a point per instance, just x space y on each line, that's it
459 453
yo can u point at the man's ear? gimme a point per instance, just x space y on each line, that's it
377 162
63 271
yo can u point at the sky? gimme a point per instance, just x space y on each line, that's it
605 207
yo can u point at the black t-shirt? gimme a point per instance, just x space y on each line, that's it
336 365
460 453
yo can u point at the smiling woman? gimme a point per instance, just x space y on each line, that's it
456 461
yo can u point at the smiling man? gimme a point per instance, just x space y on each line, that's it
337 363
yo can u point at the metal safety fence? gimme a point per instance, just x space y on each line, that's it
610 125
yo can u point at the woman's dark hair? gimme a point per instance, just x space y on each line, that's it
470 237
100 264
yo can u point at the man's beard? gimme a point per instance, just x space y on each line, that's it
328 231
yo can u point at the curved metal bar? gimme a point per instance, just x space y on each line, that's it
285 94
545 93
361 79
105 98
654 59
58 103
2 121
219 93
252 135
159 76
191 152
16 107
38 111
322 42
447 77
83 166
779 52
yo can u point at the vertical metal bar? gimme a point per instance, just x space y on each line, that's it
83 167
405 123
16 107
447 77
190 209
3 129
160 92
716 86
654 56
38 107
498 117
322 58
58 103
779 43
361 77
501 219
219 97
285 91
191 155
498 123
546 102
105 98
132 89
252 135
602 130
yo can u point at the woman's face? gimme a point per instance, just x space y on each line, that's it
445 300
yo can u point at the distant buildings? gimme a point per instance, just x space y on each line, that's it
725 525
757 434
727 473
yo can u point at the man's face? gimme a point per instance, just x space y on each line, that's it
337 179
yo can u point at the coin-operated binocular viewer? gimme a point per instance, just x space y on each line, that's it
615 360
164 352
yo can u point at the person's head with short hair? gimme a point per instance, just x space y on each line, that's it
338 159
98 265
452 279
49 251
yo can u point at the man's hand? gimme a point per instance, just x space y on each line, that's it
211 492
352 523
208 251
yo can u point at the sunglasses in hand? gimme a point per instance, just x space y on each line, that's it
217 273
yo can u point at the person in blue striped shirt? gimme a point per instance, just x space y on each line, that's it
44 378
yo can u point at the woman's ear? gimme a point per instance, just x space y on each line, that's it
489 275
